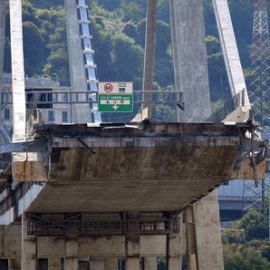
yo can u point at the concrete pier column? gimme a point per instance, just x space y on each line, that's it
190 61
97 264
54 264
191 238
71 259
111 263
175 257
175 248
14 264
208 233
150 263
133 253
29 248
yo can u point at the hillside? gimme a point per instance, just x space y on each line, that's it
118 29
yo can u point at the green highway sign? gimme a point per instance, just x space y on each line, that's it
115 102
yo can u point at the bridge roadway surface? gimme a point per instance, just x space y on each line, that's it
135 167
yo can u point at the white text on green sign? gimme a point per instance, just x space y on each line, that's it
115 103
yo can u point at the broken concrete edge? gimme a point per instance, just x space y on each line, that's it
34 166
140 128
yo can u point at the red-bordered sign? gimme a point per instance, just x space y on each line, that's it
108 87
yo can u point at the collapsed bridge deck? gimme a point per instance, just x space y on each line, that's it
134 167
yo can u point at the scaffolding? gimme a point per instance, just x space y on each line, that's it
260 73
259 85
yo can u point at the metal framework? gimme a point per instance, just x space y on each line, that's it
61 224
259 89
260 74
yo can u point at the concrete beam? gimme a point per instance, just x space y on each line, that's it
190 61
17 64
113 247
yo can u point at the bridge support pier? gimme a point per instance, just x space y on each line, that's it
174 250
150 263
208 233
111 263
133 253
29 248
97 264
191 238
71 259
54 264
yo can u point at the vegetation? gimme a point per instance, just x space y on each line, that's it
246 242
118 28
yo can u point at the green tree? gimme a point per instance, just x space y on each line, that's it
34 49
240 257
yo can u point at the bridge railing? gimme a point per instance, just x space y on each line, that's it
165 104
223 108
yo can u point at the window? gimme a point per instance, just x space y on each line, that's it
42 264
64 116
50 115
3 264
7 114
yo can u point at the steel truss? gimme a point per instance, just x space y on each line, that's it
82 224
259 91
260 74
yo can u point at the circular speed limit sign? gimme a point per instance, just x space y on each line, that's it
108 87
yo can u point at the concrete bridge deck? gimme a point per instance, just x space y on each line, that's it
135 167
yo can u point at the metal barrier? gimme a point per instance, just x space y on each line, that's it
164 104
228 106
60 226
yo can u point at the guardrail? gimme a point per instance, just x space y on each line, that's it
164 103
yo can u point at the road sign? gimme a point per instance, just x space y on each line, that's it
115 87
108 87
115 103
115 97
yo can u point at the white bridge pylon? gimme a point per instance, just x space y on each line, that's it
18 78
230 52
228 43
